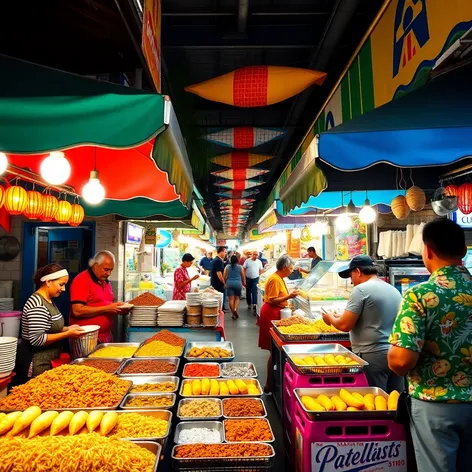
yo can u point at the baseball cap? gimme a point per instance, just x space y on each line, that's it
359 261
187 257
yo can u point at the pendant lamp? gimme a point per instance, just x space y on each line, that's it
465 198
77 216
93 191
367 214
34 206
55 169
3 163
50 208
64 212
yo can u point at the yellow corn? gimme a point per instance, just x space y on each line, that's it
214 387
233 389
326 402
311 404
380 403
393 400
308 360
350 400
320 361
341 360
338 403
369 402
329 359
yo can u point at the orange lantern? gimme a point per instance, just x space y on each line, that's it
16 200
50 208
78 215
34 206
452 191
64 212
464 198
2 196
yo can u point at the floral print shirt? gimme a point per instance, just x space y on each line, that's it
435 319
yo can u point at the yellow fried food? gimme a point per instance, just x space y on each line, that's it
6 424
352 408
209 352
205 386
196 387
223 388
242 387
350 399
329 359
252 389
93 420
187 390
298 360
338 403
326 402
380 403
320 361
159 349
42 422
26 418
61 422
311 404
109 421
392 403
77 422
341 360
369 402
214 387
232 387
114 351
358 396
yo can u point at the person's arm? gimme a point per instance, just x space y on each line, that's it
243 276
222 279
180 281
353 310
282 298
261 268
274 294
225 274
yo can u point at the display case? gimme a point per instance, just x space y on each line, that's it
406 273
468 259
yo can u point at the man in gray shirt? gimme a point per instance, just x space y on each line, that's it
369 317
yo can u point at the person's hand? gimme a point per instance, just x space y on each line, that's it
75 331
72 326
116 308
293 294
195 277
326 318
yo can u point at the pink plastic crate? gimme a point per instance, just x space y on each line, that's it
342 446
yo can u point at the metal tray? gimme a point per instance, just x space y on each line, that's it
155 413
102 345
243 417
172 397
151 379
171 360
223 344
238 442
198 418
135 355
86 360
264 463
218 425
343 415
247 379
153 447
303 350
311 337
238 364
207 377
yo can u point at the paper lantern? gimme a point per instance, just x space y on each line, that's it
77 216
2 196
238 184
50 208
257 86
400 208
451 191
244 137
34 206
465 198
415 198
64 212
239 174
16 200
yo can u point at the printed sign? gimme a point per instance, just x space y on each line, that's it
163 238
353 242
462 220
293 246
378 456
150 234
152 39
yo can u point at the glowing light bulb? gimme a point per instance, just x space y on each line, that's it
367 214
55 169
93 191
3 163
343 222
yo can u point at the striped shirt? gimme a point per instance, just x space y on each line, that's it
36 321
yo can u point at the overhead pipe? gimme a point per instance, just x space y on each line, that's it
243 10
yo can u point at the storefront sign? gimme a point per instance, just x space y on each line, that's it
351 243
293 246
150 234
462 220
163 238
152 39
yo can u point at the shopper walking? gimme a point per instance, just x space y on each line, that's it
217 271
235 281
276 296
206 261
369 317
182 280
432 344
253 269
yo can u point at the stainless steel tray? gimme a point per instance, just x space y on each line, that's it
238 364
86 360
264 415
128 397
343 415
155 413
135 355
153 447
151 379
171 360
302 350
102 345
311 337
206 363
246 380
242 419
198 418
218 425
223 344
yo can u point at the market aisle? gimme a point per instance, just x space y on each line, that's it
244 335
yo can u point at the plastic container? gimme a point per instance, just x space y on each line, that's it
194 320
211 320
10 323
285 313
84 345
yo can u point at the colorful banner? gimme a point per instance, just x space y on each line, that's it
293 246
152 39
353 242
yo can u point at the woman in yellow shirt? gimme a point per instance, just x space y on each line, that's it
276 296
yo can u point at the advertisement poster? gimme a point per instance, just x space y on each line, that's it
152 39
163 238
293 246
353 242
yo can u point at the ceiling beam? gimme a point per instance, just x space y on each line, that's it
239 46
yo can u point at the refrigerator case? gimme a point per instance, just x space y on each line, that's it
405 274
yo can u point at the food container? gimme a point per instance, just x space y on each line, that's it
197 418
264 415
103 345
171 360
194 320
161 414
205 377
194 309
246 441
322 349
151 379
343 415
246 380
152 446
211 320
85 344
216 425
222 344
311 337
87 360
237 364
206 311
130 396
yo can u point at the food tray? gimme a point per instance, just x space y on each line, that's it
343 415
171 360
311 337
260 464
86 360
172 397
322 349
102 345
243 417
223 345
156 413
247 379
151 379
238 364
218 425
135 355
207 377
252 418
152 446
198 418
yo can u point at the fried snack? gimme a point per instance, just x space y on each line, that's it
114 351
147 299
248 430
135 425
242 407
292 320
200 409
167 337
316 327
107 365
149 367
209 352
222 450
154 387
159 349
151 401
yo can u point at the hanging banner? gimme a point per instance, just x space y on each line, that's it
163 238
293 246
353 242
152 39
150 234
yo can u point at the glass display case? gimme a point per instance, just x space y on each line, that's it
404 274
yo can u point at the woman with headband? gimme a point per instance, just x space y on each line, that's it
42 325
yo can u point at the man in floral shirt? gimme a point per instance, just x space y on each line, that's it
432 343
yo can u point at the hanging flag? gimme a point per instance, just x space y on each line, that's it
239 174
244 137
240 159
239 184
236 202
238 194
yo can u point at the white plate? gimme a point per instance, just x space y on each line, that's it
8 340
90 328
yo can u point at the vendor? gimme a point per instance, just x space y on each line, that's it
315 260
206 261
92 299
369 317
42 324
276 296
183 281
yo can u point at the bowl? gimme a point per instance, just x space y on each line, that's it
90 328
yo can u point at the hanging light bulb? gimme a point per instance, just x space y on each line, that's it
296 233
320 228
351 208
3 163
367 214
343 222
55 169
93 191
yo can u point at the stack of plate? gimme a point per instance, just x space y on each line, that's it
193 298
143 316
6 304
171 313
7 355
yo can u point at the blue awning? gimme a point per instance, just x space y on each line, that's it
429 126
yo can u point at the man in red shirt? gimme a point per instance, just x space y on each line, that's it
183 281
92 296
